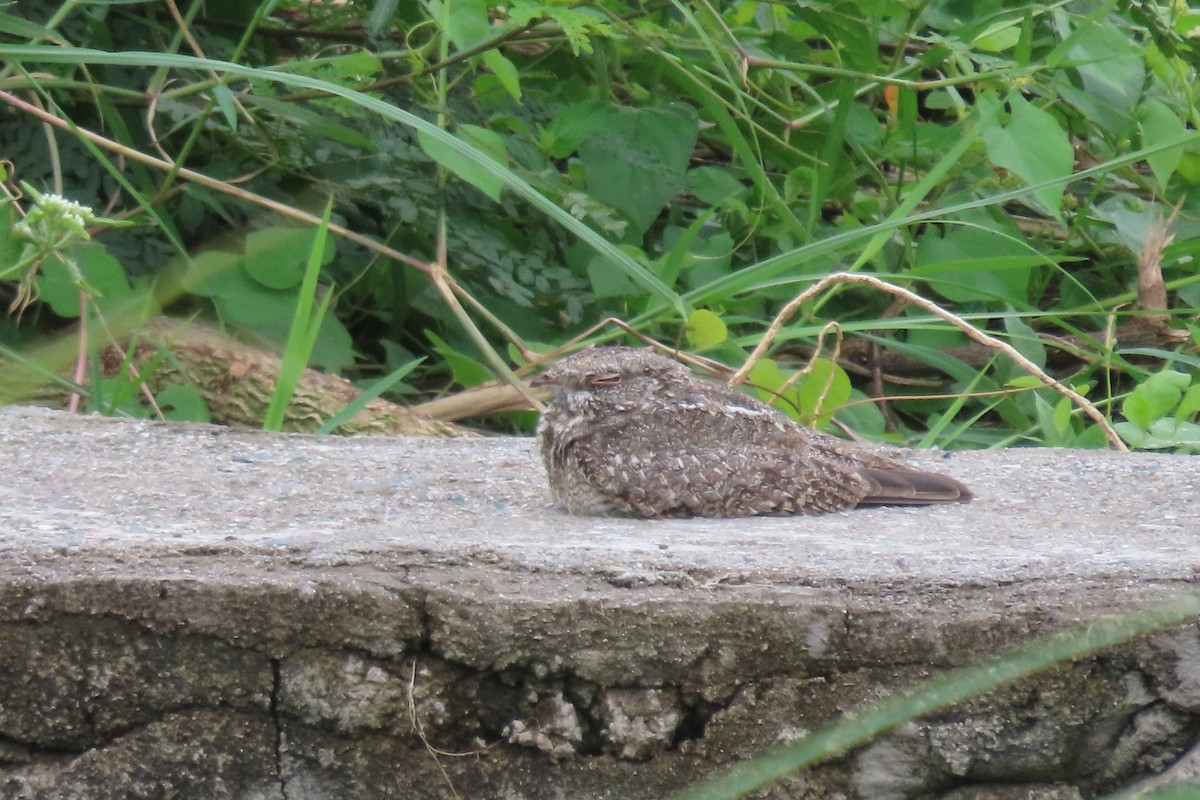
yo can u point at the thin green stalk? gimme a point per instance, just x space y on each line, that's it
55 20
365 396
306 326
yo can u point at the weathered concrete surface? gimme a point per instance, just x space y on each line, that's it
195 612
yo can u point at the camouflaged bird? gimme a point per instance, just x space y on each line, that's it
629 432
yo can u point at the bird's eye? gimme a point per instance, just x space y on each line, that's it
604 378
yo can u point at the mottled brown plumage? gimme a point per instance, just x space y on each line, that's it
629 432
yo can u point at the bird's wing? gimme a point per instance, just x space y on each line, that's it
894 482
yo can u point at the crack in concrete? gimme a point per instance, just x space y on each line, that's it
425 626
696 714
277 723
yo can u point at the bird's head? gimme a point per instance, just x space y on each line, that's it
600 368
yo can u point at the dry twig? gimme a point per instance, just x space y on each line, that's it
841 278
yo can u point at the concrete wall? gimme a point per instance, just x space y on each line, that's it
196 612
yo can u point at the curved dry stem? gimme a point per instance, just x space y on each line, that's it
415 721
214 184
440 276
538 359
837 349
839 278
497 323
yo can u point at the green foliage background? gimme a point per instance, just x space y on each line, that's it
686 167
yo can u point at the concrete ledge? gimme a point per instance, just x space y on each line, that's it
200 612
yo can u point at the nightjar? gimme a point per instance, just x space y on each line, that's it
629 432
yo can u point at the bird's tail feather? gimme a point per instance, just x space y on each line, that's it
900 486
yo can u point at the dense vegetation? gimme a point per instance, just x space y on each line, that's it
502 178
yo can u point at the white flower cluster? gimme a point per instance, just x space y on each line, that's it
54 218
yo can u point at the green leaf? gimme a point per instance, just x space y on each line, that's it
822 391
505 72
255 306
855 38
486 141
213 273
467 371
481 140
1111 69
572 126
1132 219
1062 413
225 102
357 66
1093 437
1034 147
636 161
607 280
716 186
1045 417
1155 398
1000 36
812 399
965 264
102 272
862 416
1189 167
116 396
1025 340
333 348
1190 404
183 404
1055 421
315 124
767 378
275 257
1022 53
578 23
1174 433
11 245
1131 433
467 23
1161 124
24 29
1162 434
705 329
